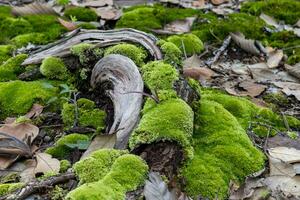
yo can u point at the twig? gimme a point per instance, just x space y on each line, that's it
36 186
219 51
183 47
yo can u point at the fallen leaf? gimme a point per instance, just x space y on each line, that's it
198 73
218 2
222 11
193 61
293 70
248 45
108 13
35 111
287 185
27 174
199 3
285 154
33 9
246 190
45 163
100 142
97 3
180 26
279 168
269 20
289 88
274 58
252 89
21 131
70 26
156 189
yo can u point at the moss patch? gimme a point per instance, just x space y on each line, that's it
136 54
11 68
62 148
88 115
188 43
119 173
172 54
223 152
81 14
9 187
54 68
17 97
86 52
5 52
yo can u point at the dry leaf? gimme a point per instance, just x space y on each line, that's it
222 11
289 88
180 26
27 173
199 3
293 70
35 8
252 89
246 190
198 73
285 154
70 26
97 3
250 46
279 168
218 2
193 61
269 20
274 58
287 185
108 13
35 111
45 163
100 142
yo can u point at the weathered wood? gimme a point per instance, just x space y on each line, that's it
101 38
126 93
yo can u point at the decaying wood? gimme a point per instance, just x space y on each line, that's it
101 38
126 93
219 51
36 186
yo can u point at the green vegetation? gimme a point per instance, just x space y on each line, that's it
88 114
86 52
172 54
17 97
5 52
81 14
62 2
188 43
136 54
54 68
62 149
11 68
118 173
64 166
9 187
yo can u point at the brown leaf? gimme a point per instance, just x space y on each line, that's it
35 111
70 26
33 9
218 2
180 26
100 142
193 61
199 3
248 45
252 89
28 174
289 88
274 58
97 3
21 131
198 73
45 163
284 184
108 13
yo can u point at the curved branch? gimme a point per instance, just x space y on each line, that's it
101 38
123 74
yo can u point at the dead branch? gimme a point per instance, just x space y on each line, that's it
219 51
124 75
36 186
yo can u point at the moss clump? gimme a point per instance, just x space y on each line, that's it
88 115
64 166
62 2
61 148
286 10
5 52
223 152
34 38
9 187
136 54
86 52
54 68
277 99
97 165
11 68
17 97
87 26
125 174
159 75
172 54
170 120
81 14
5 11
188 43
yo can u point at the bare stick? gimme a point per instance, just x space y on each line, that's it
219 51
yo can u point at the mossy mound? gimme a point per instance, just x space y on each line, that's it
172 54
119 173
88 114
81 14
86 52
188 43
169 120
146 18
5 52
97 165
54 68
64 166
62 149
11 68
223 152
17 97
286 10
136 54
159 76
9 187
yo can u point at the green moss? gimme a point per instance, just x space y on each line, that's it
87 26
277 99
136 54
188 43
159 75
54 68
5 52
97 165
81 14
88 115
9 187
17 97
86 52
223 152
11 68
170 120
62 2
286 10
64 166
61 149
172 54
126 173
5 11
33 38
